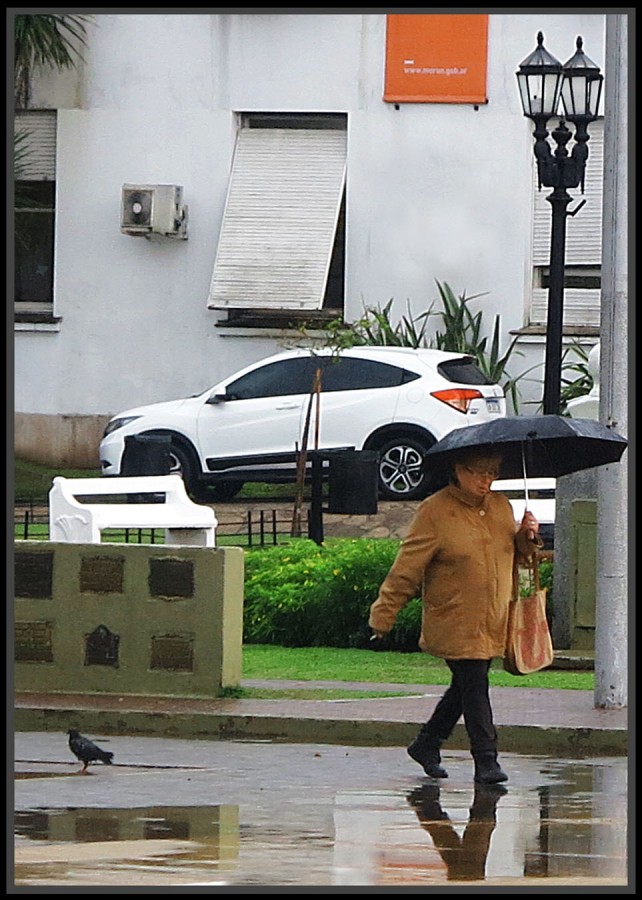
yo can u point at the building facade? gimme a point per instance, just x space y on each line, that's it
210 188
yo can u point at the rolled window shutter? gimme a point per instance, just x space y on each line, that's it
280 219
38 162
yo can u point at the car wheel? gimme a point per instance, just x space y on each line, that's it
402 475
181 462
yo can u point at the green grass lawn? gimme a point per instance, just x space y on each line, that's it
33 482
263 661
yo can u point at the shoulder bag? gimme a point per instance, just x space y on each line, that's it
529 647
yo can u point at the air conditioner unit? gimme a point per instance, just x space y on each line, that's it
147 209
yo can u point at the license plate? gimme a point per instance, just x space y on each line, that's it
492 405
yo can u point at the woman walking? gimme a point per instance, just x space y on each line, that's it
459 554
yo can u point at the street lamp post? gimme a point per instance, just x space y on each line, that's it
545 84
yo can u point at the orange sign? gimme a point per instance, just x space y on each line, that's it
436 59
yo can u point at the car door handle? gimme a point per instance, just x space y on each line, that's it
289 406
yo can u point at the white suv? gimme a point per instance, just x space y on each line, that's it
249 427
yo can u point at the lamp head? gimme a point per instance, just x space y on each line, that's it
539 78
582 86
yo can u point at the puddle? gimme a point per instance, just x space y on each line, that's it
429 836
307 815
125 846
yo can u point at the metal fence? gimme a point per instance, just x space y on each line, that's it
251 528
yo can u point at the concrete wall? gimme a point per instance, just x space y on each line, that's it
127 619
434 192
59 440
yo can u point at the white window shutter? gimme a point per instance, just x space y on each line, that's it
39 162
280 219
583 238
581 307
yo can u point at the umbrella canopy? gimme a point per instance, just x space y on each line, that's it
537 446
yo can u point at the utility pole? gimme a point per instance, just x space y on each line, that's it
611 613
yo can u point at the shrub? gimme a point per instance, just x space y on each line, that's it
305 595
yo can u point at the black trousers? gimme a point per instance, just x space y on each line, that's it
468 696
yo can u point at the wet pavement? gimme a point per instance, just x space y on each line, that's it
215 813
175 812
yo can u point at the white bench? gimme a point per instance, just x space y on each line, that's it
185 522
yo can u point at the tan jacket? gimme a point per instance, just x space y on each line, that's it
458 557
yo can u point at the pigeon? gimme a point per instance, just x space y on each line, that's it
86 751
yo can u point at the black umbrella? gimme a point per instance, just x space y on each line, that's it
546 446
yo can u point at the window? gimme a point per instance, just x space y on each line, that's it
280 256
296 376
34 235
362 374
279 379
34 199
464 371
582 281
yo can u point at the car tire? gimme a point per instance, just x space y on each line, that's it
182 462
402 473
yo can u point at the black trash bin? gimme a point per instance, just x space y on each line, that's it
146 454
353 482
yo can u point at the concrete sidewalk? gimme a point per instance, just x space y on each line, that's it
561 723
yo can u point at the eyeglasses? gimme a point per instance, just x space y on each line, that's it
483 473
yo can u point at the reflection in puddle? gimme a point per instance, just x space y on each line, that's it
465 856
568 827
125 846
572 830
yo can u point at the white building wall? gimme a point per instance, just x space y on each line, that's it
434 192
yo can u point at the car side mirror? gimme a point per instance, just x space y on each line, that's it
217 398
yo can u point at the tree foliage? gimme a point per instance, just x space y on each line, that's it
45 41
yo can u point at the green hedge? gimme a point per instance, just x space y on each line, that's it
305 595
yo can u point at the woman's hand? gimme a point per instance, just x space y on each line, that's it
379 640
529 526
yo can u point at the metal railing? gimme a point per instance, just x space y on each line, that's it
253 528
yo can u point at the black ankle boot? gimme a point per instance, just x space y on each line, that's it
425 751
487 770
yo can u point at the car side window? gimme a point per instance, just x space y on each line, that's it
278 379
352 374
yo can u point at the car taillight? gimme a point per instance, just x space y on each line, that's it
458 398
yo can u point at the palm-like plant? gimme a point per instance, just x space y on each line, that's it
462 333
40 42
44 41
